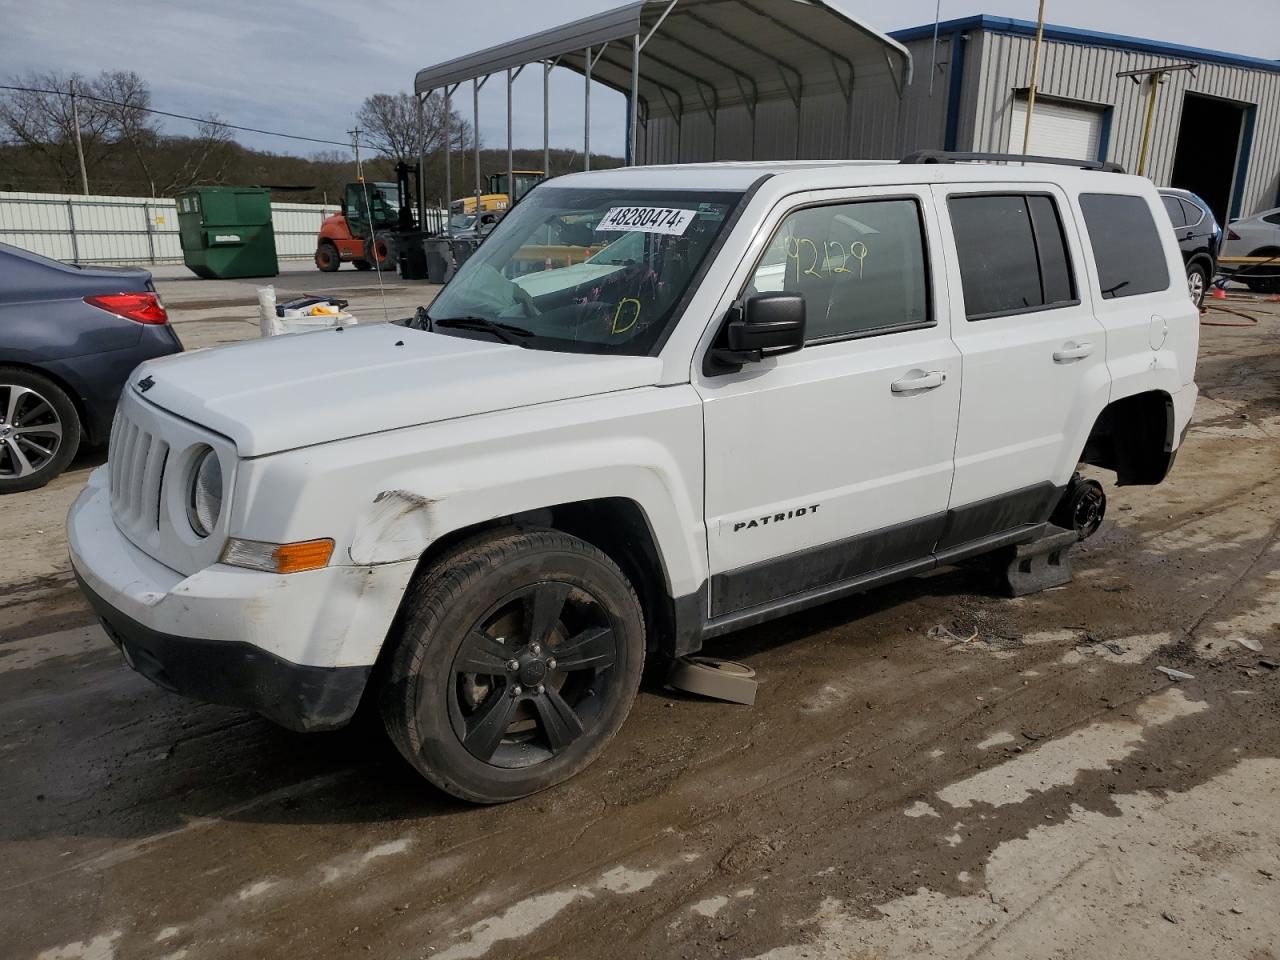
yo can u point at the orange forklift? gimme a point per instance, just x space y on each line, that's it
373 215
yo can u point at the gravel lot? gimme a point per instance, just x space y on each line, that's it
1041 791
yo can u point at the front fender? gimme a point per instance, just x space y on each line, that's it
386 498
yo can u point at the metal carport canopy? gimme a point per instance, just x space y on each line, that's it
700 55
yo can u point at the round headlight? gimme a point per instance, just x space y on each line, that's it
204 501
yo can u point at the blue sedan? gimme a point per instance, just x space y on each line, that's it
69 338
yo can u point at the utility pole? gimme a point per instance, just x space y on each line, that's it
1035 76
75 122
355 145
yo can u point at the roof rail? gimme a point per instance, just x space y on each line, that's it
951 156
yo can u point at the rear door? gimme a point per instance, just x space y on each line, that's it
1034 355
834 462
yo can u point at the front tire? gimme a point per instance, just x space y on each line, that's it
380 251
1197 283
518 660
39 430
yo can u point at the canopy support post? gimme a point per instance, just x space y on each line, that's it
420 178
635 93
511 167
586 114
448 161
546 118
475 138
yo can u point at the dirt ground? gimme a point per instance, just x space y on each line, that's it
1039 791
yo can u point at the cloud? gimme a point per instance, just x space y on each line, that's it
305 67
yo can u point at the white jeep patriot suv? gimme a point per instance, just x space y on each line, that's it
656 405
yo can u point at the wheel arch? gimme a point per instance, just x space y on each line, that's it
1134 437
77 399
618 526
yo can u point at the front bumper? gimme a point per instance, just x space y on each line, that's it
234 673
298 649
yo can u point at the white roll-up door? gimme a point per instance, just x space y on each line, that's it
1057 129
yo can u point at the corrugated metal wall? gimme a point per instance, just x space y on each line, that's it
883 126
129 229
1087 73
994 65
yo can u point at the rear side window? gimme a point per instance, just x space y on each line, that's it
1126 244
1173 207
1013 258
1194 213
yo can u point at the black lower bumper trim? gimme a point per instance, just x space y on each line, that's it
236 674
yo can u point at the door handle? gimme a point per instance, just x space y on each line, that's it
1073 351
918 380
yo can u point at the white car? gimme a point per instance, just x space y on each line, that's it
808 379
1257 236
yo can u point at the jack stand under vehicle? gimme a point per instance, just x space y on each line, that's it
1039 565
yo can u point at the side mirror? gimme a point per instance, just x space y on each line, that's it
766 325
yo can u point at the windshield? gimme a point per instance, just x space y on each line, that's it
589 270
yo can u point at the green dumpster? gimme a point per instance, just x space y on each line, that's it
226 232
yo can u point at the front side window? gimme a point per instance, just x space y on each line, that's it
860 267
1012 254
1126 244
588 270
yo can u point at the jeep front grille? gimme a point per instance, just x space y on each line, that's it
136 459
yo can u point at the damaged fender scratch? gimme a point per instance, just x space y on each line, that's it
396 527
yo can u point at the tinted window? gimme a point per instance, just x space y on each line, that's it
1126 245
1012 254
1174 208
1194 213
860 266
1272 217
1051 248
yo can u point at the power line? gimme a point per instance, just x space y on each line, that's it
178 116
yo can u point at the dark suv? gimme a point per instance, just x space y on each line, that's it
1199 237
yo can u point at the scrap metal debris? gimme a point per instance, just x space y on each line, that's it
1173 674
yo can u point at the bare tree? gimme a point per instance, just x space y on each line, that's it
124 99
206 156
41 118
389 123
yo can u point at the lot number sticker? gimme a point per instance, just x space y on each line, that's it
647 220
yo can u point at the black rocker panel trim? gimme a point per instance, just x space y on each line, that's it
830 563
983 518
966 531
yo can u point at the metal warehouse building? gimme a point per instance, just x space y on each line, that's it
781 79
1215 129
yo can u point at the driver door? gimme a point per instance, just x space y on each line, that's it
832 465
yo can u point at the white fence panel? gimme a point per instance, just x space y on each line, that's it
94 229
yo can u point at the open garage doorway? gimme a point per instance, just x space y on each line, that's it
1207 158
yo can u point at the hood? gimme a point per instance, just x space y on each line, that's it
295 391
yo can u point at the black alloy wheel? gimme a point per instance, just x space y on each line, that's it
519 656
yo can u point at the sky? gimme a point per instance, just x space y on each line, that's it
304 66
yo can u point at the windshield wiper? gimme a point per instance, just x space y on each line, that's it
506 332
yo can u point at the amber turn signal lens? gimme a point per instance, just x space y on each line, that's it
307 555
277 557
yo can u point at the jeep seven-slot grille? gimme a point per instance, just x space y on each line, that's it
135 468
